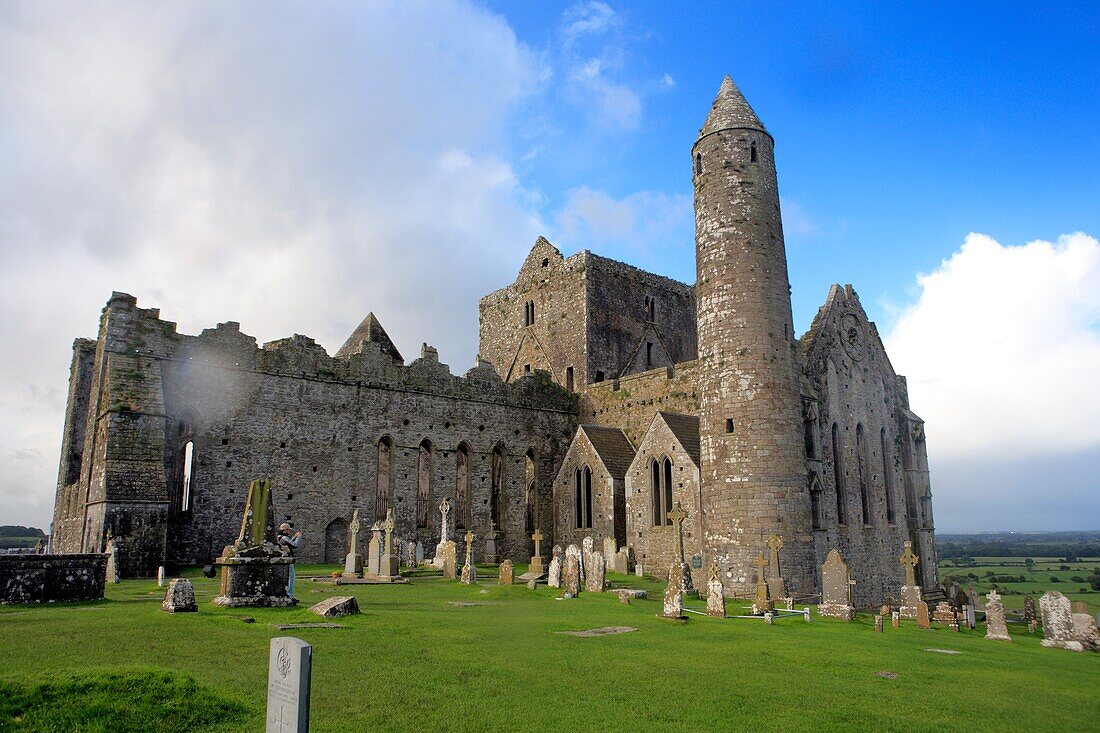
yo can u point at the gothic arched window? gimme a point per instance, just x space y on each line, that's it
384 478
424 484
887 478
496 495
863 468
462 486
838 474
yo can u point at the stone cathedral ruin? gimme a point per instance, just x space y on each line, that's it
603 397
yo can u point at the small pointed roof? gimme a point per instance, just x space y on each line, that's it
369 330
686 430
613 448
731 111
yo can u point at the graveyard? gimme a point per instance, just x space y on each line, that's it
435 654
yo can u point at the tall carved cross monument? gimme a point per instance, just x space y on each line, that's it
762 601
910 592
469 572
678 515
536 568
776 586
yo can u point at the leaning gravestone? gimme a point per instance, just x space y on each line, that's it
1058 622
180 597
1085 631
595 582
995 626
336 606
505 576
288 677
112 561
571 576
586 556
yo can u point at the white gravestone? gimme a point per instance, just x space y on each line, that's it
160 576
288 672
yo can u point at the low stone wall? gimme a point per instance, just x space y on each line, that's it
48 578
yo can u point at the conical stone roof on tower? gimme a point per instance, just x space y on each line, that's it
731 111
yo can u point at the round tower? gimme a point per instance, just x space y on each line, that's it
753 470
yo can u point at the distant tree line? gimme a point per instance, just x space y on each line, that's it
16 530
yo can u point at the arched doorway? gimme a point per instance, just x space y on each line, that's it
336 540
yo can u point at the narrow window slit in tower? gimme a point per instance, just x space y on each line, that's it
729 424
699 163
752 153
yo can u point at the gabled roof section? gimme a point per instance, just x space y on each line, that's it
370 330
612 447
686 430
731 111
818 342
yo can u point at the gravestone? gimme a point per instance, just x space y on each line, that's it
885 610
374 550
895 619
762 600
390 565
491 543
1058 622
571 574
288 685
674 591
923 622
910 592
970 616
112 561
410 554
586 557
878 623
995 626
469 572
535 570
678 515
1031 618
944 613
836 588
160 576
444 532
419 553
639 570
505 574
610 547
554 573
180 597
353 561
716 600
336 606
596 580
1085 631
255 572
777 588
448 560
574 551
620 563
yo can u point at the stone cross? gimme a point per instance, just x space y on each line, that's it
353 548
774 545
761 563
714 572
444 511
537 537
909 560
993 596
389 525
677 515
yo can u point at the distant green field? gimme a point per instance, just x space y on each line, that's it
412 661
1037 581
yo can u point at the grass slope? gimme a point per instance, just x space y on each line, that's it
412 661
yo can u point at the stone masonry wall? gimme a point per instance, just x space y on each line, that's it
630 403
50 578
311 424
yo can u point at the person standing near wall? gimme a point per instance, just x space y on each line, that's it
288 542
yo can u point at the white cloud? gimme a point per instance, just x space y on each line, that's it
595 52
1002 350
288 167
642 223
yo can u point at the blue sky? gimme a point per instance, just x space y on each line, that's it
293 166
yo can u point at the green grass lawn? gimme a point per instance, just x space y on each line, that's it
413 662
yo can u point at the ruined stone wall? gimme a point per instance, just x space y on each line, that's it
311 424
630 403
50 578
654 546
619 323
555 341
859 393
68 519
